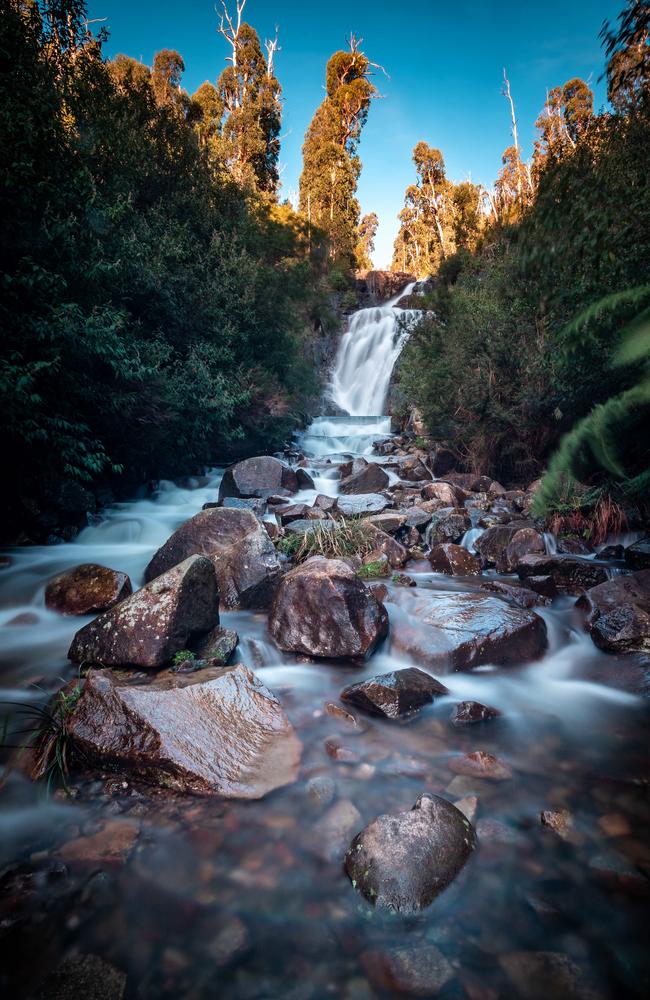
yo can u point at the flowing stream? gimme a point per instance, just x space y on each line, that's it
247 900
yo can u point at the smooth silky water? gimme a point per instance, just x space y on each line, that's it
241 900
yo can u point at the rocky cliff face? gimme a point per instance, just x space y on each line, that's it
376 287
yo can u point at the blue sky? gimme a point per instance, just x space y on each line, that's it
444 63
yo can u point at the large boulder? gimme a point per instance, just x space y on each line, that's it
460 631
262 476
86 589
396 694
524 542
453 560
442 491
160 619
322 608
365 477
618 613
219 732
570 574
237 545
494 541
403 861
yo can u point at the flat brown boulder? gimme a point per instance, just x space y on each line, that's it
390 522
515 594
396 694
146 629
220 732
258 477
365 477
570 574
402 861
453 560
524 542
322 608
237 545
618 613
460 631
86 589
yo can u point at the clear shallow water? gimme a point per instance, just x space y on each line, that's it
242 900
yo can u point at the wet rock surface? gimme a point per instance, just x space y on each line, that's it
258 477
87 589
322 608
618 613
419 970
396 694
462 630
243 555
219 732
570 574
480 764
148 628
454 560
361 503
467 713
364 477
403 861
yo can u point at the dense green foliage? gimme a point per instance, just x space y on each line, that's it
152 311
497 367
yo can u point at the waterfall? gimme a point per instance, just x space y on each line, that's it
367 355
360 380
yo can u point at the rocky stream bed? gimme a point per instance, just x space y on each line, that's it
418 768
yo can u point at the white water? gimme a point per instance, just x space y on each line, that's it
367 355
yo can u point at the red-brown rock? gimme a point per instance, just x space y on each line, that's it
322 608
146 629
86 589
244 558
453 560
396 694
618 613
480 764
258 477
218 732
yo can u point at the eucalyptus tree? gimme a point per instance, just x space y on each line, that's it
331 166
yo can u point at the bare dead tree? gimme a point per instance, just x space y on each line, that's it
229 27
271 46
515 135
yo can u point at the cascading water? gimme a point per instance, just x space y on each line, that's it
360 380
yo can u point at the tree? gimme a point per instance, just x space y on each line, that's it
331 166
567 113
513 190
366 245
168 68
250 97
628 51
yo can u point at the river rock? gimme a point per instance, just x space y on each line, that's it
396 694
480 764
146 629
467 713
219 645
402 861
440 491
524 542
305 481
244 558
417 517
540 975
86 589
448 526
333 830
570 574
453 560
637 555
618 613
254 504
258 477
418 970
493 542
322 608
365 477
385 545
363 503
442 461
460 631
390 522
304 525
219 732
